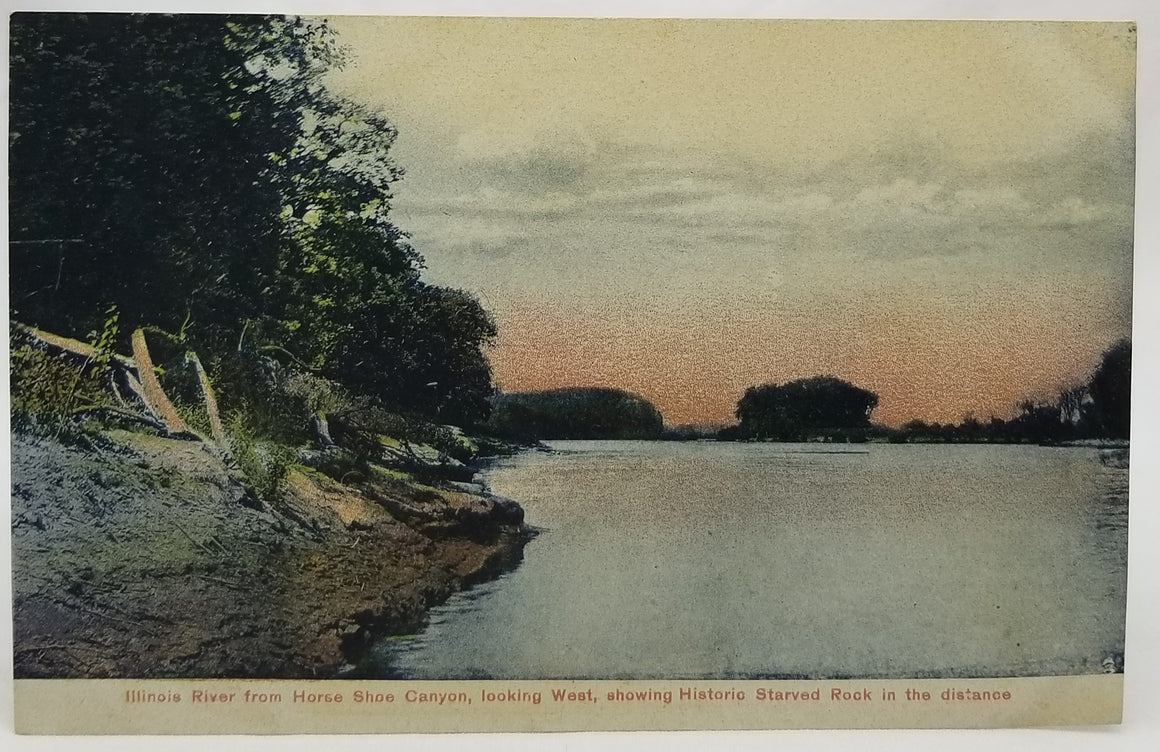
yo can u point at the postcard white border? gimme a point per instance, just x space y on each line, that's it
1141 729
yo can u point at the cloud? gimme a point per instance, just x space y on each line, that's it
1001 200
530 173
1074 211
641 219
903 193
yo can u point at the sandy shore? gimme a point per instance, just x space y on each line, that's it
142 557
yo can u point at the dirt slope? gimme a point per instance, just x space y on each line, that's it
144 558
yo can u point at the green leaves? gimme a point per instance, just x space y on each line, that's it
205 179
139 139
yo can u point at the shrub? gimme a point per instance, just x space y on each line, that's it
47 390
360 428
262 464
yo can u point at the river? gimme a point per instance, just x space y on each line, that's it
739 560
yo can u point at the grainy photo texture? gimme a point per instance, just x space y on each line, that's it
583 367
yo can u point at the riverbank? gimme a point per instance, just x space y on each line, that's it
142 556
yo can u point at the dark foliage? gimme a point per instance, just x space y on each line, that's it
1098 409
136 143
817 407
426 351
1111 392
194 172
574 413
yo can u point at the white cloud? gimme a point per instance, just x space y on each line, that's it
1074 211
1000 200
903 192
645 220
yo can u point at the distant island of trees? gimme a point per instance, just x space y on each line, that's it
574 413
821 408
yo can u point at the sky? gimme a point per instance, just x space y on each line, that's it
940 212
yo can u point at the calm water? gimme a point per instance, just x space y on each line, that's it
707 560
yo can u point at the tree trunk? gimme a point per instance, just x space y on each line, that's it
211 408
151 390
321 430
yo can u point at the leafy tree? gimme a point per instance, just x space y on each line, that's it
575 413
426 346
1110 388
195 172
351 303
342 255
806 408
140 172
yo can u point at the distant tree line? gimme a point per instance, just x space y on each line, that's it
574 413
1098 409
194 174
830 409
691 432
822 408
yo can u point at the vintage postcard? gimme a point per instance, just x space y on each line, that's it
420 374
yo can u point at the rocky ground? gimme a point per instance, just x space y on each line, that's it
141 556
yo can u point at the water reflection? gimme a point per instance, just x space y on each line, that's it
763 560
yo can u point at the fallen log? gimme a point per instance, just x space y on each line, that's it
137 376
207 395
135 387
81 352
151 392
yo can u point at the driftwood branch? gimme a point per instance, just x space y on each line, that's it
80 352
211 408
123 414
122 372
143 400
151 390
116 390
135 387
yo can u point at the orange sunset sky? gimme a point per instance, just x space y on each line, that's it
938 211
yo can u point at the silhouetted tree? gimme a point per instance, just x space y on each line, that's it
575 413
1110 388
821 406
1039 421
1097 409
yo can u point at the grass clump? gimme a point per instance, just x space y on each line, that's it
50 392
263 464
